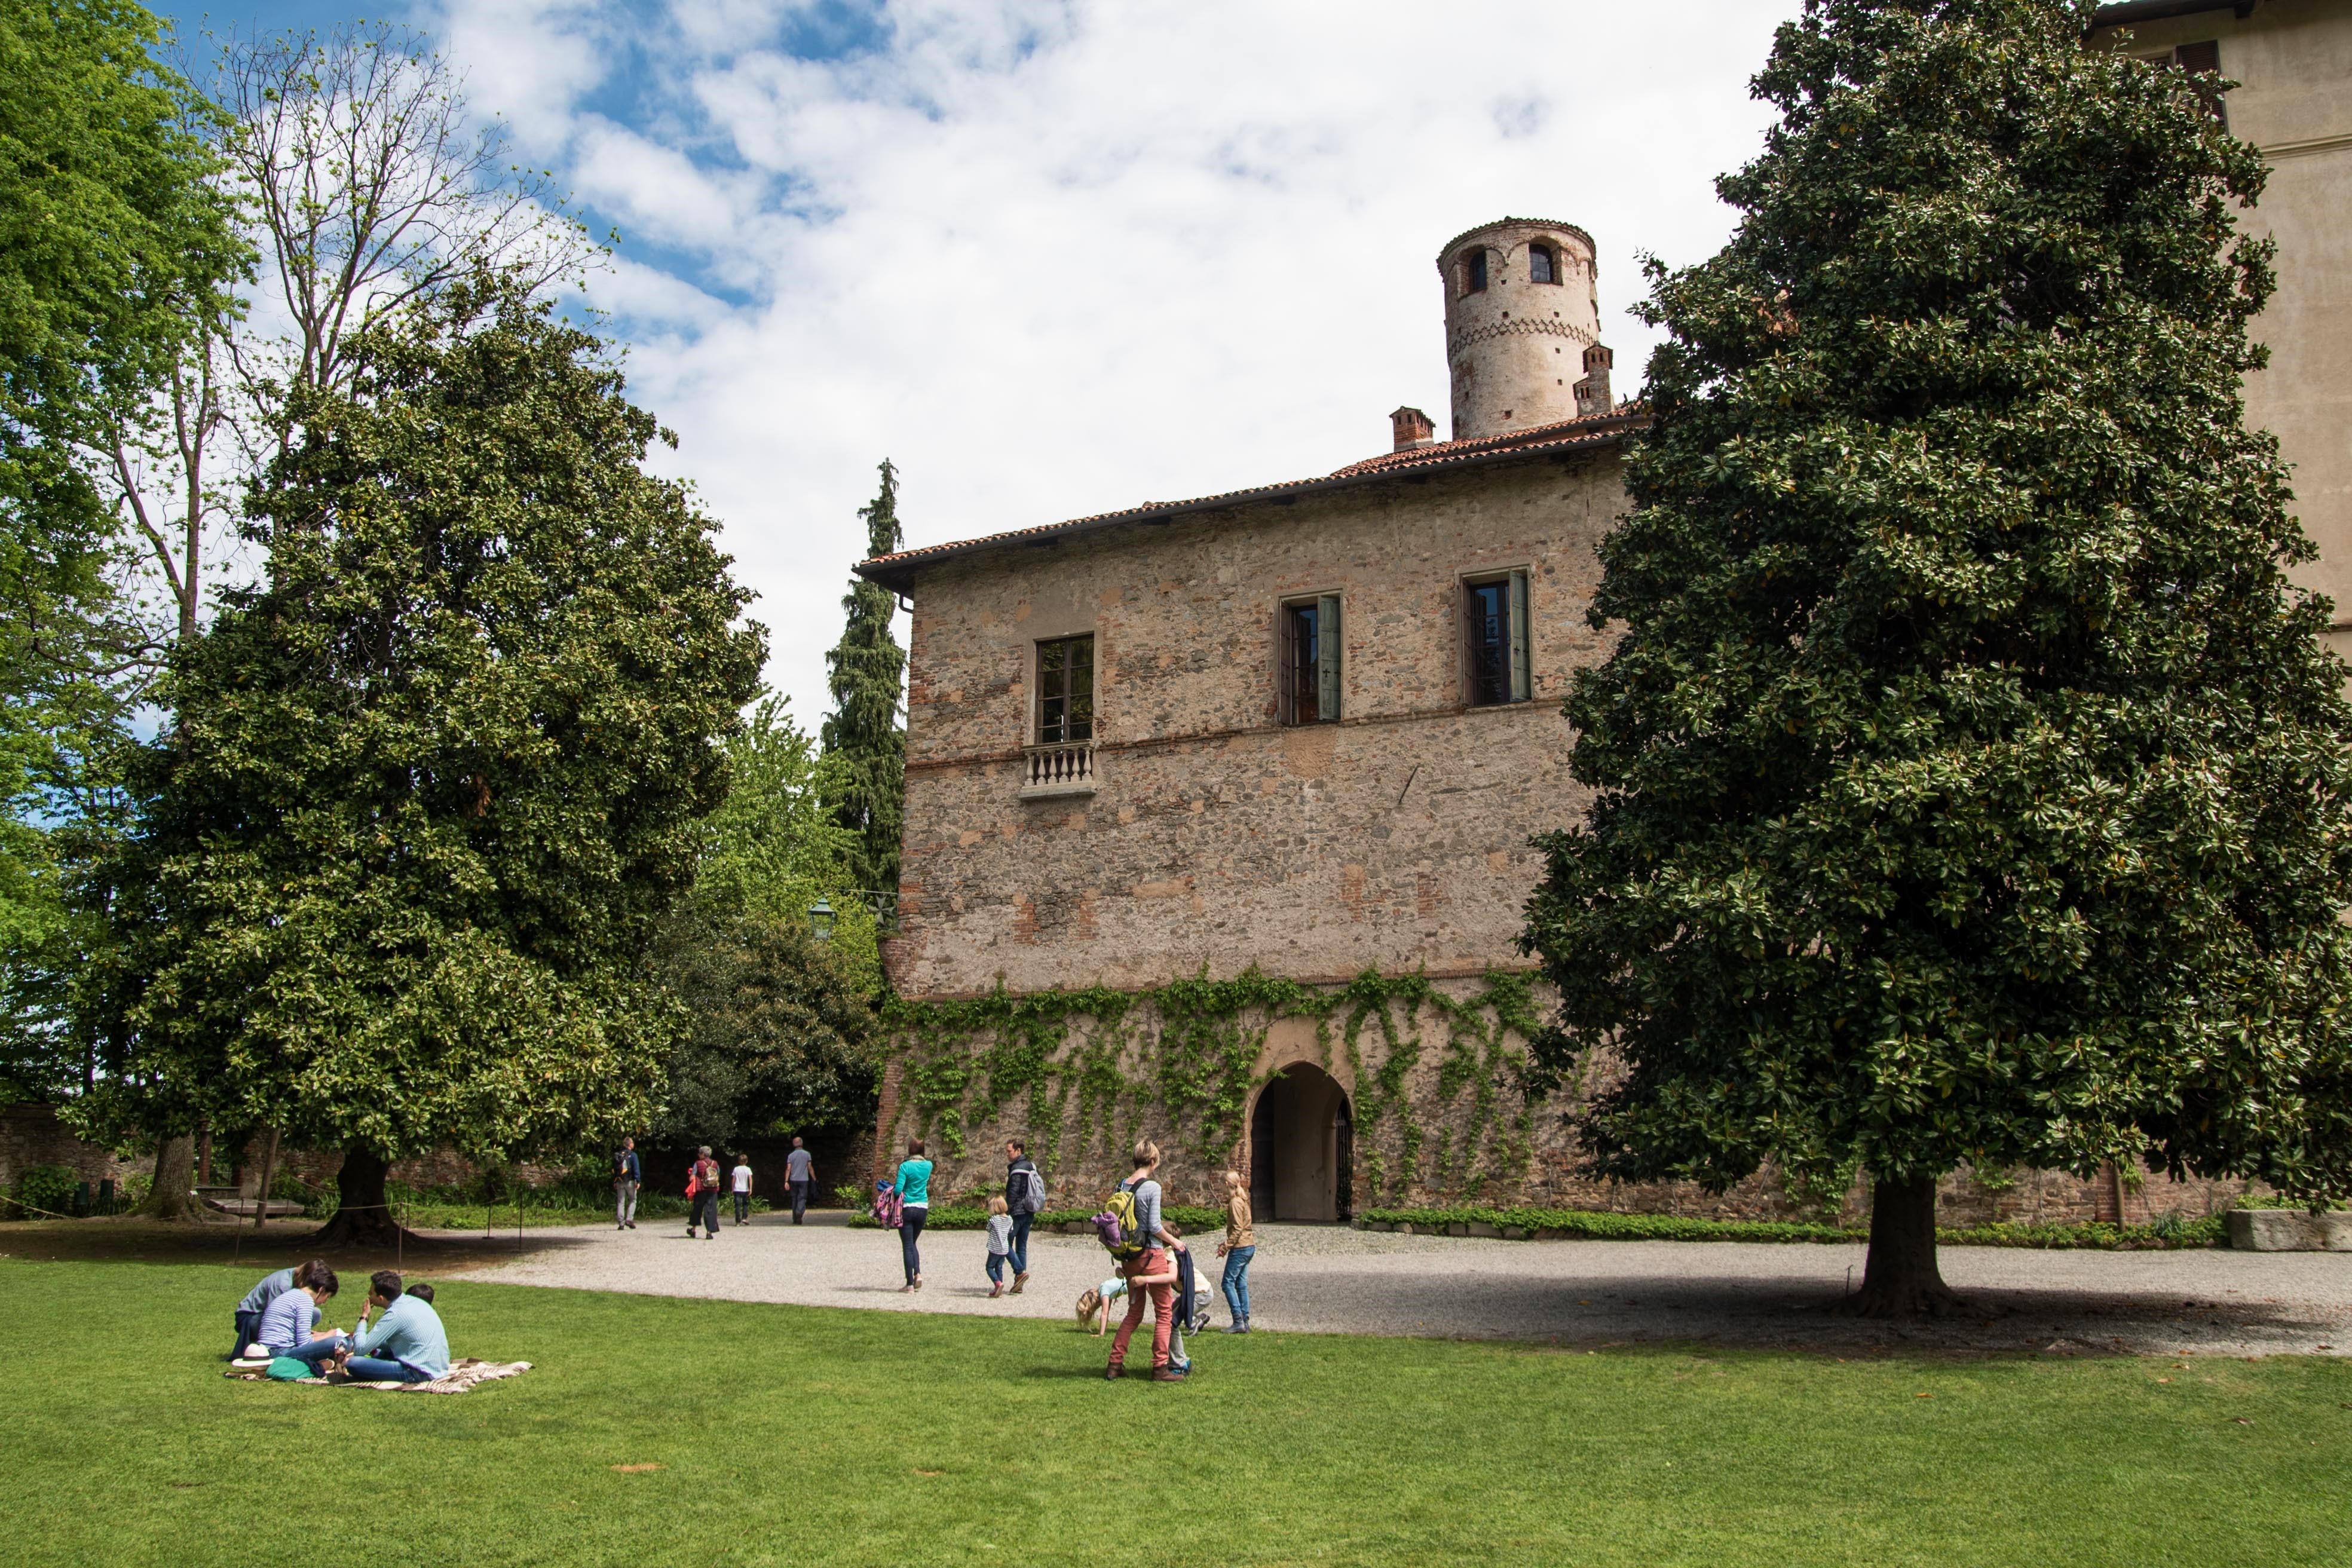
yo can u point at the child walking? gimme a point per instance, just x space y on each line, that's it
1000 1244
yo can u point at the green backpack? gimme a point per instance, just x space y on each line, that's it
1116 1226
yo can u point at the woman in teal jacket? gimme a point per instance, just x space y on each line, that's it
914 1186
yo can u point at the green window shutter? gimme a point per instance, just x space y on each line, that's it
1327 656
1522 685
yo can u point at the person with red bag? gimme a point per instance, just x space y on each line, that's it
702 1182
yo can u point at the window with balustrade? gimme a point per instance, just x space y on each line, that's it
1066 691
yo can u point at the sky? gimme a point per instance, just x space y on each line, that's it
1055 258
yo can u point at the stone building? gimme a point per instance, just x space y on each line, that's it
1303 732
2292 61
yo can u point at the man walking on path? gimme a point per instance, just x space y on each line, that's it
626 1174
1024 1196
1151 1264
799 1172
741 1176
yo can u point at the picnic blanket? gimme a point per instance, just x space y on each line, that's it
462 1377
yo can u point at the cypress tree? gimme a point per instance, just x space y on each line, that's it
865 745
1972 783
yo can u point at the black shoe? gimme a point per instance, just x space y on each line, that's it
633 1224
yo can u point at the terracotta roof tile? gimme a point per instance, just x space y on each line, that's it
1594 431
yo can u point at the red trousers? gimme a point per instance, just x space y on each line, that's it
1163 1318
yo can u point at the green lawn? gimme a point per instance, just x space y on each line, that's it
802 1435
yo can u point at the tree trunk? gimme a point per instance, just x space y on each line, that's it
361 1218
172 1198
1901 1279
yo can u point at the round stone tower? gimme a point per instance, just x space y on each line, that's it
1521 309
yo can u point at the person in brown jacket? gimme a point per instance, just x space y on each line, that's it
1238 1248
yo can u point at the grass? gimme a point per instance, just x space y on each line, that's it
807 1435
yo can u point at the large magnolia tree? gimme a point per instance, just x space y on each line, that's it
1972 781
433 784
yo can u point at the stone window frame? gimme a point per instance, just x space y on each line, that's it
1474 271
1553 259
1331 651
1518 633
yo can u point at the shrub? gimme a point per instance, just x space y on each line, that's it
1606 1225
48 1188
1601 1226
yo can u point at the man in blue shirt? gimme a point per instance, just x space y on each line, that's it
626 1174
407 1343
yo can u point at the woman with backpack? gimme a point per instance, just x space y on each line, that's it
914 1189
1149 1271
702 1194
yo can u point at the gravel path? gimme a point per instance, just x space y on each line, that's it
1328 1280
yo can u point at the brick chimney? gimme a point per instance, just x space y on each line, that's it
1414 430
1593 396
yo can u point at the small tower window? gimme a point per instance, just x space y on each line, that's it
1543 264
1474 272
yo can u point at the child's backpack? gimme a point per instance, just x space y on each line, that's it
889 1211
1116 1226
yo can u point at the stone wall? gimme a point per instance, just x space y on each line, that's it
31 1134
1451 1136
1396 837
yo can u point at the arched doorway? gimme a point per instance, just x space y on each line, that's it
1302 1147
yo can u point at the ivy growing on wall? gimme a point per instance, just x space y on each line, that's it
1082 1071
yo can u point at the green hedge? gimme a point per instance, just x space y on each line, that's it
1597 1224
2165 1234
1601 1225
1186 1217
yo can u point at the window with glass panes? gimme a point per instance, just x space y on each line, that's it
1309 637
1495 617
1066 690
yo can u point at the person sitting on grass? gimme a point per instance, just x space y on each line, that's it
407 1343
256 1301
422 1292
290 1324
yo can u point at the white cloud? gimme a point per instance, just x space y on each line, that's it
1055 260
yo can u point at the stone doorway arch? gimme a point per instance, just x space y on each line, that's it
1302 1147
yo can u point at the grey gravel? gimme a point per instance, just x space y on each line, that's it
1329 1280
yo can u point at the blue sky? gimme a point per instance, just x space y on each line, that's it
1057 257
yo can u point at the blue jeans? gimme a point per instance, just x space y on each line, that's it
248 1329
315 1351
1237 1262
1020 1253
911 1231
374 1369
996 1267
